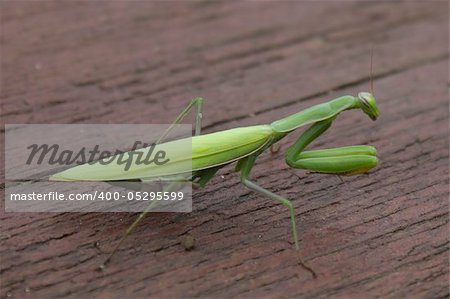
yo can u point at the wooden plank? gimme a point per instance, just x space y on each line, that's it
381 235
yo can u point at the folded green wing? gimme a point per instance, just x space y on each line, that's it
185 155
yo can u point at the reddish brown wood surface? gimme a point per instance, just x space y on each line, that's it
379 235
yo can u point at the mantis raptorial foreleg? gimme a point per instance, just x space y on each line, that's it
247 165
340 160
198 102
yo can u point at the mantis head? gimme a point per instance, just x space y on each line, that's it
368 105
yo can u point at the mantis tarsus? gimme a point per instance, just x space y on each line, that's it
243 145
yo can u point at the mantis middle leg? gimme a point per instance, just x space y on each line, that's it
247 165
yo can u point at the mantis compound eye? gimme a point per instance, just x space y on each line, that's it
368 104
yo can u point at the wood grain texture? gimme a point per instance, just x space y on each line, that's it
378 235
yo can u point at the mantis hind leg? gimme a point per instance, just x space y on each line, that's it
204 176
247 165
197 102
141 216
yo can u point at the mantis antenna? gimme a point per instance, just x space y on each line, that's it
371 70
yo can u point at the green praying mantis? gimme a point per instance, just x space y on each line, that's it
243 145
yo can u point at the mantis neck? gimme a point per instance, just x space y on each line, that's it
315 113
